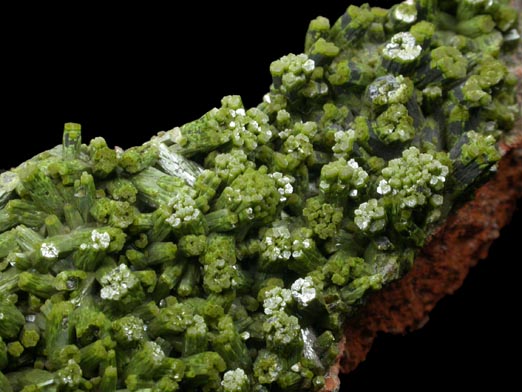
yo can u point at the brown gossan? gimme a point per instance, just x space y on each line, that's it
444 262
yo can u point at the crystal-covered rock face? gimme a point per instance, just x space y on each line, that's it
226 253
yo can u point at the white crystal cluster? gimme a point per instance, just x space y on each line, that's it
184 210
284 184
99 241
276 300
403 47
117 283
234 380
303 290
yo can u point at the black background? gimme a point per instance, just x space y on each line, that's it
129 73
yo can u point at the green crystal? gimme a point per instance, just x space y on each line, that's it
226 253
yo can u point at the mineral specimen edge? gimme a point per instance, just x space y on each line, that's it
225 254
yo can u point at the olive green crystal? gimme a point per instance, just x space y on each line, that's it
225 254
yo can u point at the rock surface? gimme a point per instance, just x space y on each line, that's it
441 267
443 264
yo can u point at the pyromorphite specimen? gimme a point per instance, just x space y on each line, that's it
225 254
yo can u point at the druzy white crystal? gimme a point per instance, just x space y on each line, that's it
100 240
383 188
117 282
402 46
233 380
276 300
303 290
49 250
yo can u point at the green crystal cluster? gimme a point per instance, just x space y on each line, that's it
224 255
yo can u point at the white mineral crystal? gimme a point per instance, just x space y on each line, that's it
303 291
48 250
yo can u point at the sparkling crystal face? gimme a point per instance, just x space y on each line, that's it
303 291
49 250
402 46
